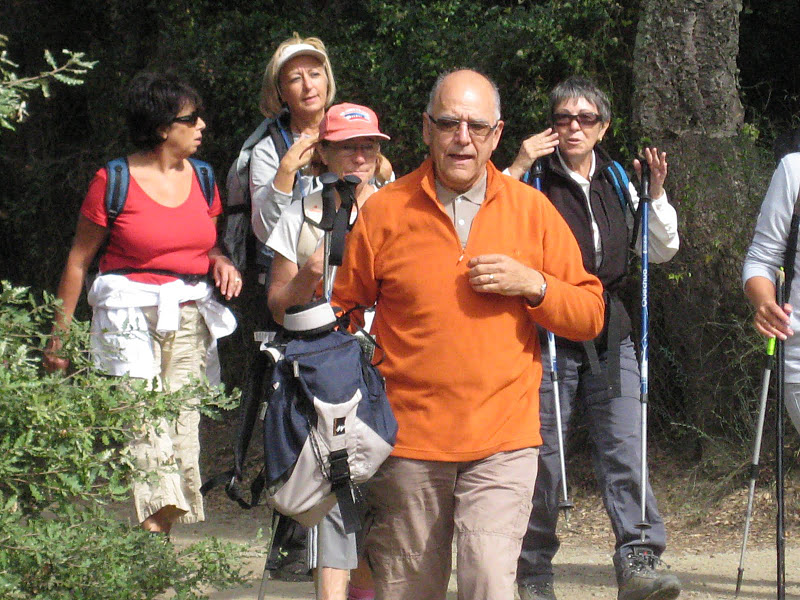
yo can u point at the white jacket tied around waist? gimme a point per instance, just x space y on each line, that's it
120 340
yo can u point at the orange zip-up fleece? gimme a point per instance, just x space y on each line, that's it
463 368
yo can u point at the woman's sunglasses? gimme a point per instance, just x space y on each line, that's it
190 119
584 119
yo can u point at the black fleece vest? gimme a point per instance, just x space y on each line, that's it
567 196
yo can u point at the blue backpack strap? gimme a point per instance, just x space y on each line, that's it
278 132
205 175
619 179
118 178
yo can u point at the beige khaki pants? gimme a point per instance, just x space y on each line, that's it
417 505
168 453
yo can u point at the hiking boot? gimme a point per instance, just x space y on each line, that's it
538 590
637 578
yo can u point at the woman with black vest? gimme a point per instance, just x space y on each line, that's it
603 374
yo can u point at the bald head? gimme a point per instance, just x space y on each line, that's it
462 76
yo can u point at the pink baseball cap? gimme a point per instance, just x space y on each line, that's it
347 121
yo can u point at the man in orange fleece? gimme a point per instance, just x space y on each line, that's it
463 263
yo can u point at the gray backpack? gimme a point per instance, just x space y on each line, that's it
238 240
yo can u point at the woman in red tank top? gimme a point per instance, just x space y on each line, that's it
160 264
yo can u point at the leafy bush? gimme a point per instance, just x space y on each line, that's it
14 90
63 460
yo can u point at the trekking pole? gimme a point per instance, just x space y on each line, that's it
780 539
762 411
537 172
265 576
335 224
346 187
644 205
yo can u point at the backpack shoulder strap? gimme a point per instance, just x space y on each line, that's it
619 179
205 175
118 179
277 129
791 245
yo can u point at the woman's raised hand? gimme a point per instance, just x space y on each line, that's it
535 146
299 154
658 170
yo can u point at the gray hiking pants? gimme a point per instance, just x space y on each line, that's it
615 428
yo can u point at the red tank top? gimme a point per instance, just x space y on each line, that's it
148 235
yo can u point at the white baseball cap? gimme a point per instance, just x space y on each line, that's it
293 50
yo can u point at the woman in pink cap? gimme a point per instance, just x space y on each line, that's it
349 144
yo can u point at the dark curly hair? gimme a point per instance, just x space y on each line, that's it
154 100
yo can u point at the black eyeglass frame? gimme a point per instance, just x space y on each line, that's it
451 125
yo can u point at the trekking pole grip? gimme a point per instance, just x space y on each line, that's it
645 181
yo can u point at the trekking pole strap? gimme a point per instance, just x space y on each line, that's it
228 478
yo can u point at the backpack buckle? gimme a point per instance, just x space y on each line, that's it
340 469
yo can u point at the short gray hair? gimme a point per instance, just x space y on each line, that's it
581 87
440 79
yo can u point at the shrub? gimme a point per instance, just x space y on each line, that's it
63 461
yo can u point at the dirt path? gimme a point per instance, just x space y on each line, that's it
704 537
583 566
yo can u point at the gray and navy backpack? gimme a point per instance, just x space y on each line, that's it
327 422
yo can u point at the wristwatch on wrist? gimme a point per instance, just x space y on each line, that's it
542 290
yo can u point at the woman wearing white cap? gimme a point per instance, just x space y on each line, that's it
349 145
298 86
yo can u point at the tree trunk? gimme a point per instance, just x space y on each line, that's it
686 102
685 67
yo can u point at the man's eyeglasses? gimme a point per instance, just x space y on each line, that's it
450 125
190 119
584 119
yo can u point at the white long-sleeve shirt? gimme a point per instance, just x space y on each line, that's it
767 250
663 239
120 339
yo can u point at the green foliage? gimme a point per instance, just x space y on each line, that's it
89 554
14 90
387 54
63 459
